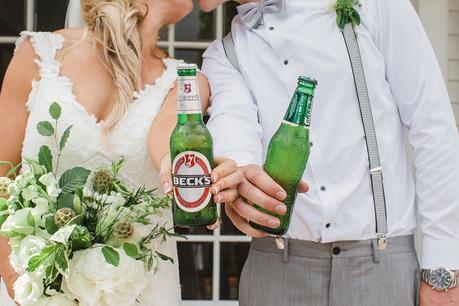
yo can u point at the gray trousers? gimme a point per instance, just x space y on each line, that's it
334 274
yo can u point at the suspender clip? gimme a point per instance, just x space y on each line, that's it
382 242
376 170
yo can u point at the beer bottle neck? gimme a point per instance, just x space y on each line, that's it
189 118
188 99
299 110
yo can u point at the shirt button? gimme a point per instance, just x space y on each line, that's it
286 62
323 188
336 251
328 225
271 28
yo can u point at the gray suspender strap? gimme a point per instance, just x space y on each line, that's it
230 51
352 45
353 49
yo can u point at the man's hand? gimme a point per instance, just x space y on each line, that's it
430 297
258 187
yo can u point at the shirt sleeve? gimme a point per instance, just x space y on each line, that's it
425 109
233 113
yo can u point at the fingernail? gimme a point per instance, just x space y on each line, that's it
215 178
216 189
274 222
281 209
281 195
167 188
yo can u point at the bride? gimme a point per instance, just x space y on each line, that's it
116 88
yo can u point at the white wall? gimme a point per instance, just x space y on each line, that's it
453 56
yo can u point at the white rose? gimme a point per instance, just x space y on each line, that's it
49 180
22 222
95 282
28 289
26 248
56 300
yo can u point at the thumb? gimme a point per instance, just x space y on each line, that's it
165 174
304 187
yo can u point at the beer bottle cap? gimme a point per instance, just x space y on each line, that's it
187 67
307 80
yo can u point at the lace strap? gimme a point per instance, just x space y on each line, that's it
46 45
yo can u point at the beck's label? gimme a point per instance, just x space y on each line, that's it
192 181
188 100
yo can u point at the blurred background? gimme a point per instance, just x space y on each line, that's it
210 263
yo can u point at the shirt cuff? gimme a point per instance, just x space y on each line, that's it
440 253
243 159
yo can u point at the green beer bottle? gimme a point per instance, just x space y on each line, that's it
288 151
191 149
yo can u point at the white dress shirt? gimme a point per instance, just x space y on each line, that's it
406 89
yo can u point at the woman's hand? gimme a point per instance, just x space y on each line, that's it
225 180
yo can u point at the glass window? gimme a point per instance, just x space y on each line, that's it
50 14
12 17
6 53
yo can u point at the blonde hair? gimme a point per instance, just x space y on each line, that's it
114 24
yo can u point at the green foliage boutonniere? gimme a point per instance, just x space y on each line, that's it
346 12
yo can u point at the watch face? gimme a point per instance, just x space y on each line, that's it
441 279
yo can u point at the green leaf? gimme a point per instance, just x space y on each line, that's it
131 250
51 274
61 262
65 137
77 204
37 169
50 225
55 111
45 128
63 234
111 256
45 158
65 199
355 17
45 258
164 257
73 179
3 204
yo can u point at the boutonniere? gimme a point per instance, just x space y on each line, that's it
346 11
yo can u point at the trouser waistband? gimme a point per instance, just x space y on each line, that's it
341 249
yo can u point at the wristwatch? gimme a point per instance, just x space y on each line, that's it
440 279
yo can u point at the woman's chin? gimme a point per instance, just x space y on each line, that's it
210 5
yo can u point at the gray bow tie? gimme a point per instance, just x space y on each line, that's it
251 13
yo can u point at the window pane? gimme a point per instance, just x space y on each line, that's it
228 227
229 11
193 231
6 53
195 261
197 26
233 256
192 56
50 14
12 17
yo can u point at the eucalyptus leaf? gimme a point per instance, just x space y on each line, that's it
55 111
45 128
111 256
65 137
164 257
73 179
45 158
131 250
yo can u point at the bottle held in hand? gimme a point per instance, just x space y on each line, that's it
288 151
192 160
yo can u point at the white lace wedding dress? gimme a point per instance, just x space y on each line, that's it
89 147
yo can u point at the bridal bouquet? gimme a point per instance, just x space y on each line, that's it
83 238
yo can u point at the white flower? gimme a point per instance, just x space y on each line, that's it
56 300
30 193
24 250
22 222
94 282
28 289
118 200
24 179
49 180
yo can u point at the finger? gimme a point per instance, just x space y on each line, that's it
165 175
263 181
231 180
304 187
255 195
250 213
229 195
224 168
216 225
242 224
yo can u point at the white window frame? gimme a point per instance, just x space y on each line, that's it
216 238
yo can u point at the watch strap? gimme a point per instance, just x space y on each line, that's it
425 277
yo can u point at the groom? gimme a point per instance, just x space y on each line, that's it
331 256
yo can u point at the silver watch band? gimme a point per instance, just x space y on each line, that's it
425 276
